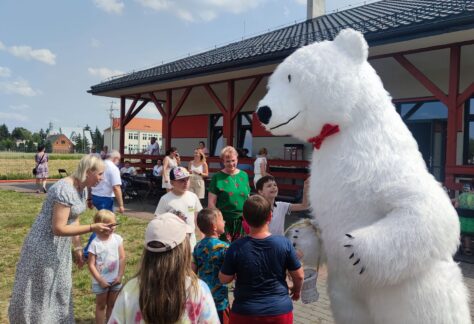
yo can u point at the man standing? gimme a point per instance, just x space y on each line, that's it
153 148
103 194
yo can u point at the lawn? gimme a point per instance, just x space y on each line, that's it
16 216
14 165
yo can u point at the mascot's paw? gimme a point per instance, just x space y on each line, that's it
354 258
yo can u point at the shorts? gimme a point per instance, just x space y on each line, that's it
97 289
103 202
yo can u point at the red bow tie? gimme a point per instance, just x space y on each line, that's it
327 130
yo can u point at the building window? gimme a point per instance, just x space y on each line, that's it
63 142
145 136
130 136
135 136
468 149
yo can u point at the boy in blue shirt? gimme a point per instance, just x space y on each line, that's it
259 263
208 257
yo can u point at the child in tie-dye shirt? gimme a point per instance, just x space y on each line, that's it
209 255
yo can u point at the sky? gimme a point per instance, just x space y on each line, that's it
53 51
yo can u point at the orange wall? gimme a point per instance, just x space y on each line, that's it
190 126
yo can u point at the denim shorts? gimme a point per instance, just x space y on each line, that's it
97 289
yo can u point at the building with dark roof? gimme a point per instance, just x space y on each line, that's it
423 51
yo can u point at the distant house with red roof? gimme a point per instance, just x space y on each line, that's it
138 134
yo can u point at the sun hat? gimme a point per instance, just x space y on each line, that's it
167 229
178 173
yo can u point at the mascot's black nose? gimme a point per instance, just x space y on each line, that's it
264 114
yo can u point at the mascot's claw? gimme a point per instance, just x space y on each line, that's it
362 270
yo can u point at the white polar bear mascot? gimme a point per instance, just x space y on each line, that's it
389 229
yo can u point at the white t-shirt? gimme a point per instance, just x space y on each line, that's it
130 170
277 225
107 260
157 170
200 307
111 179
187 204
258 164
153 149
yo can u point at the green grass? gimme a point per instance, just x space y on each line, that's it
16 216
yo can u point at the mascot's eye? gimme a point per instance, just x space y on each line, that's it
289 77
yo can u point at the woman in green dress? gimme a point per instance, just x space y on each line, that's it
228 191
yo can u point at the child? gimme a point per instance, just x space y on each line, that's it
268 188
106 263
209 255
180 201
165 290
259 263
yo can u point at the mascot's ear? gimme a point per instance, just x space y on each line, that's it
353 44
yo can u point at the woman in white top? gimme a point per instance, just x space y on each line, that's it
199 169
260 165
170 161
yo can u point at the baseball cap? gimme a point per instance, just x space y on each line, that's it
168 229
178 173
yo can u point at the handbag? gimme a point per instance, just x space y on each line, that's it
35 171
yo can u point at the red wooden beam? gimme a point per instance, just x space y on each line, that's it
229 117
451 140
465 95
215 98
139 108
247 95
130 110
166 119
158 104
180 103
122 128
423 79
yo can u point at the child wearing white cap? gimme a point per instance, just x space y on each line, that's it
165 267
180 201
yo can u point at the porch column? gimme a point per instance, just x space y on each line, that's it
122 127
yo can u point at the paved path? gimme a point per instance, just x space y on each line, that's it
316 313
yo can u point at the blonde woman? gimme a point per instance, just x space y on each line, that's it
228 190
199 170
170 161
165 290
42 291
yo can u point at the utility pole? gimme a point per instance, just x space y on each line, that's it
111 115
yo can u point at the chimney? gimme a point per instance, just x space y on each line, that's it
316 8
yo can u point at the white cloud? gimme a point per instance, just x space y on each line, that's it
21 107
4 72
19 87
13 116
200 10
104 73
302 2
110 6
95 43
26 52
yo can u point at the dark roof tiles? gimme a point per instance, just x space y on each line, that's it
378 21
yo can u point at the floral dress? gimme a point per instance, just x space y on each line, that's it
42 166
42 291
231 191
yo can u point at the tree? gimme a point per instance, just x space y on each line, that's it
4 133
21 133
30 146
48 147
78 143
7 145
36 137
43 135
97 139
